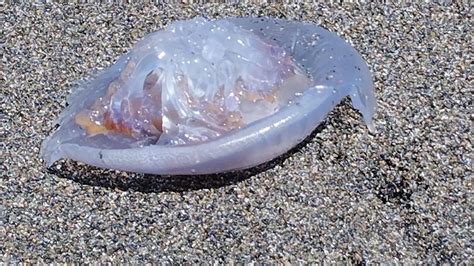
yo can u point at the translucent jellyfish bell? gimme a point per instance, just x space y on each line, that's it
206 96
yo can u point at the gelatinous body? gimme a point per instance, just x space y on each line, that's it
211 96
193 83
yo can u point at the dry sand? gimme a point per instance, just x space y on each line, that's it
404 194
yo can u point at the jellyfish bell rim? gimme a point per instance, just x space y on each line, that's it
190 159
165 158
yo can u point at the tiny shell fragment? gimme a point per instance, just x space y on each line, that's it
206 96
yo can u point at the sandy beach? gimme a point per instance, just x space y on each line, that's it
401 195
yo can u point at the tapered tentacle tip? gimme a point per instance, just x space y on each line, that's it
371 127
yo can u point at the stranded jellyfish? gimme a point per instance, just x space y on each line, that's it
207 96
